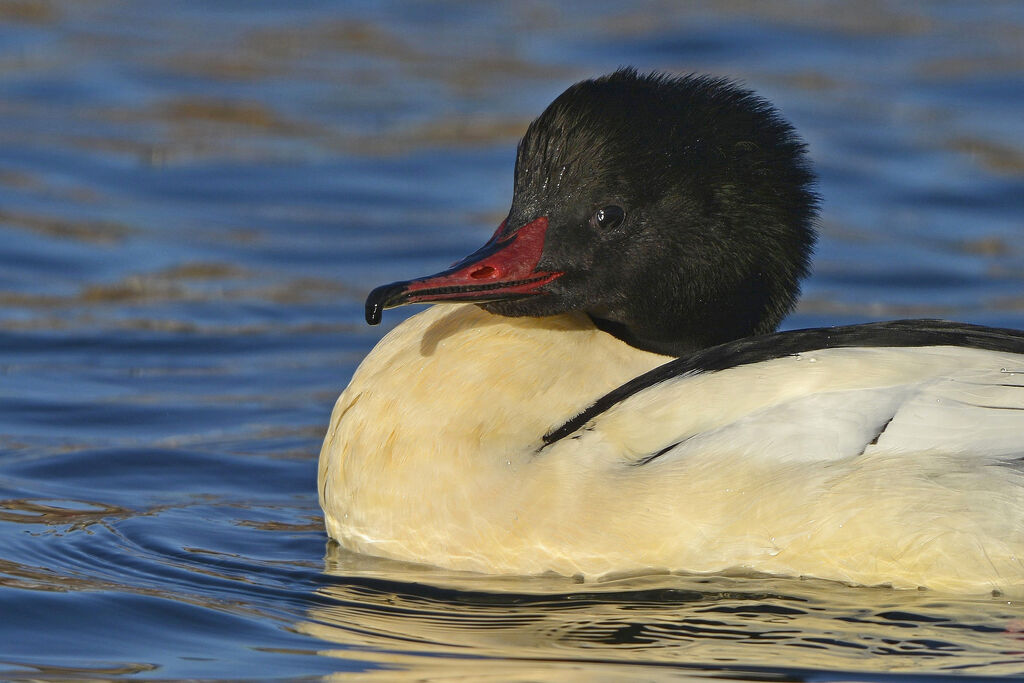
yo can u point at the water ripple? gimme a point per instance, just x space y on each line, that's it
194 198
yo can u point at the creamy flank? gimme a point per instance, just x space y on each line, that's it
896 466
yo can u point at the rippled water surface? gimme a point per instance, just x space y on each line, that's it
195 198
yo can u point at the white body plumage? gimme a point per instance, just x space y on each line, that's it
897 466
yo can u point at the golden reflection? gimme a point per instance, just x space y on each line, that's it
1006 158
29 11
70 513
127 303
442 623
16 670
84 230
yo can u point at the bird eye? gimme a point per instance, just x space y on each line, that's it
608 217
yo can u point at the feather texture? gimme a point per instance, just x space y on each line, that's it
880 465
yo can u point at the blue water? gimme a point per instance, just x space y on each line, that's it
196 196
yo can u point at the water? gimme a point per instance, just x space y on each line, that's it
196 196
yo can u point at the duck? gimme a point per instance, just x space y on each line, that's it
601 390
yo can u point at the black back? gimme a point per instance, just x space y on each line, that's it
894 334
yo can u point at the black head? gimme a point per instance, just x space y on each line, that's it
677 212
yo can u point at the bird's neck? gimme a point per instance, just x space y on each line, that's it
678 345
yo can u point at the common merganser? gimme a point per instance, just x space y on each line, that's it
535 422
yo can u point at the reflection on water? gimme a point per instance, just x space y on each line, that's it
195 196
763 628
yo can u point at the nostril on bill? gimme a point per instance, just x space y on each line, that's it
484 273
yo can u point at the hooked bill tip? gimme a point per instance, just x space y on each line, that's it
385 296
373 312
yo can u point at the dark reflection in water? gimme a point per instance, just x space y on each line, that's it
195 196
762 628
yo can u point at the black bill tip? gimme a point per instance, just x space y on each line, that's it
385 296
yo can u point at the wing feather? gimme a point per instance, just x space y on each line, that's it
828 404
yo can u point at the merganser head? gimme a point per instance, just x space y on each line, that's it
676 212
